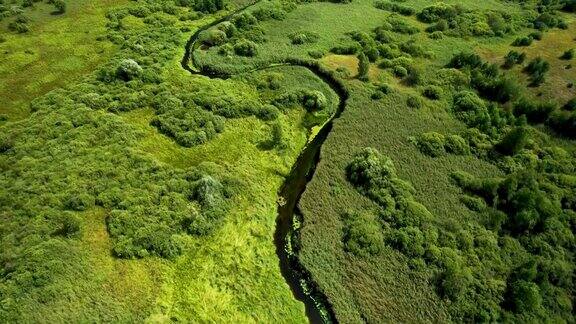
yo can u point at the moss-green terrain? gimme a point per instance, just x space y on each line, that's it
144 146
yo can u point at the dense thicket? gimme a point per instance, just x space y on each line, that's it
516 262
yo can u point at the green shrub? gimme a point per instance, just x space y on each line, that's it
513 58
432 92
400 71
570 105
440 26
431 144
414 102
569 54
79 202
314 100
69 225
269 11
317 54
513 142
438 11
245 48
537 35
564 123
526 297
472 110
244 21
128 69
369 167
363 66
213 37
209 6
59 5
394 7
537 68
303 38
345 49
523 41
436 35
362 234
456 144
535 112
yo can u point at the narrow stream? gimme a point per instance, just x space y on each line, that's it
304 289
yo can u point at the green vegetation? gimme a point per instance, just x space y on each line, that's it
132 190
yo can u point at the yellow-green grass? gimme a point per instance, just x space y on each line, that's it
554 43
383 287
232 275
57 50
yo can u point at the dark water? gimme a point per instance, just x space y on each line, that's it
318 309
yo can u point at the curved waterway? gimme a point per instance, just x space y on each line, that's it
304 289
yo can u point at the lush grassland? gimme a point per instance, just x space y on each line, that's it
134 191
57 50
65 257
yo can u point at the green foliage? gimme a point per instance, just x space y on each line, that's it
128 70
523 41
513 142
209 6
245 48
362 234
535 112
513 58
414 102
431 144
303 38
395 7
569 54
537 69
456 144
432 92
363 66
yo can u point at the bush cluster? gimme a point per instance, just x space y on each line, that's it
435 144
457 21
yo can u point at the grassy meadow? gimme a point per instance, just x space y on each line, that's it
134 191
58 50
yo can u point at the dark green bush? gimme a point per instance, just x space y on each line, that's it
438 11
394 7
513 58
431 144
362 234
209 6
523 41
345 49
513 142
245 48
414 102
432 92
456 144
537 68
535 112
569 54
128 70
363 66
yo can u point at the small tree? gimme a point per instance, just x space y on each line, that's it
513 142
568 55
363 66
60 6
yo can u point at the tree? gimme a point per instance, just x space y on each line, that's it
128 69
60 6
363 66
245 48
513 141
526 296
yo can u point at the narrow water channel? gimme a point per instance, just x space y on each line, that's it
318 309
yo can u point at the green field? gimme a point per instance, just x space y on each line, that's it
140 184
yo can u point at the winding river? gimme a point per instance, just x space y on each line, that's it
304 289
